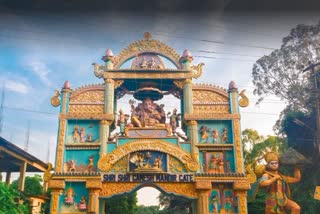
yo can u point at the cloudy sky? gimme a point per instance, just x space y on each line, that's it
40 49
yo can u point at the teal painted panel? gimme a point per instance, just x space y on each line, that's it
111 147
81 157
215 132
79 189
87 127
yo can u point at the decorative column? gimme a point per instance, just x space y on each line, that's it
94 186
65 93
203 187
187 96
104 135
8 177
109 97
193 136
23 169
234 107
57 187
241 188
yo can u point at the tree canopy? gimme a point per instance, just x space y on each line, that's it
11 200
281 72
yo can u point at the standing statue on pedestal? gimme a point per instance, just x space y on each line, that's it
122 122
276 186
174 120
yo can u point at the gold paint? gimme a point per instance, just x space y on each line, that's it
197 70
242 195
203 184
88 97
118 83
210 116
107 160
184 189
47 174
109 189
86 109
187 81
178 83
146 45
87 116
109 80
121 165
244 100
105 122
251 175
244 185
60 150
191 122
211 109
175 165
209 97
55 101
237 144
56 184
164 74
93 184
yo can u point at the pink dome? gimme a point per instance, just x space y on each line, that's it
108 52
186 53
66 85
232 85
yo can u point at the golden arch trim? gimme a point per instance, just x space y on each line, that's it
107 160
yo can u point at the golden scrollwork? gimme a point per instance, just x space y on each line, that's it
203 185
121 165
244 100
93 184
209 97
197 70
210 116
57 184
183 189
175 165
47 174
86 109
108 80
178 83
60 145
237 143
146 45
107 160
109 189
209 109
55 101
241 185
88 97
98 70
118 83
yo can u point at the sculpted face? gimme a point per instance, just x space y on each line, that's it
274 165
147 104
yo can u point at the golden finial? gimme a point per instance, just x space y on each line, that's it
147 35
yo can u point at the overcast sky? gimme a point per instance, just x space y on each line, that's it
41 49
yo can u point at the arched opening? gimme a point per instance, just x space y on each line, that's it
148 198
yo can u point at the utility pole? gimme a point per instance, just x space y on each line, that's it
1 109
315 70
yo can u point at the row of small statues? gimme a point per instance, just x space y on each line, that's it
216 137
79 135
71 166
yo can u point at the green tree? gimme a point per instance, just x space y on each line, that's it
12 201
281 72
32 185
126 204
174 204
147 210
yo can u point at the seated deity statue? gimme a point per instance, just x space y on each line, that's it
148 114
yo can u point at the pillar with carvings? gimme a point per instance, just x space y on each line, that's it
56 187
94 188
104 128
234 107
203 187
241 188
65 94
109 96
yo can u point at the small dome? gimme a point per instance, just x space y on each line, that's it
186 53
232 85
66 85
108 52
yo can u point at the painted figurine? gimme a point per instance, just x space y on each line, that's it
174 120
276 186
89 138
72 166
122 122
215 203
90 165
69 196
82 204
82 135
76 134
216 136
224 137
204 133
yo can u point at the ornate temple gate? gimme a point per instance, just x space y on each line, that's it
201 161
